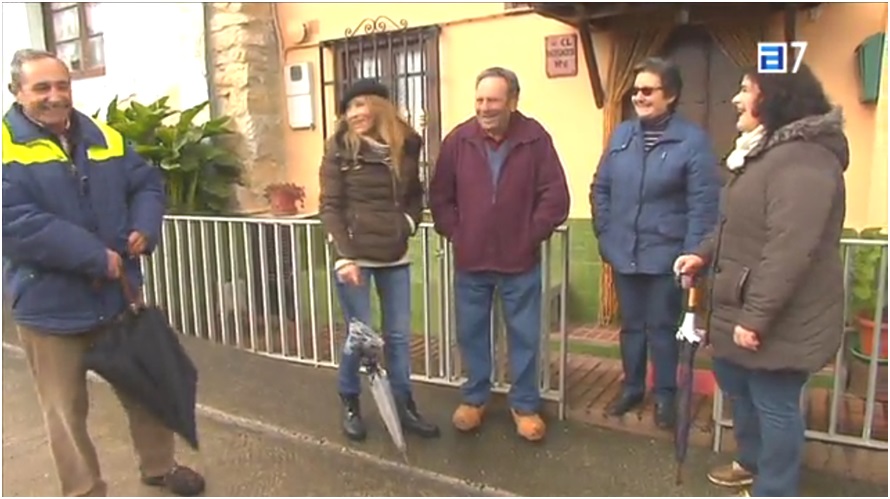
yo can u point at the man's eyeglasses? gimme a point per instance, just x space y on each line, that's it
646 91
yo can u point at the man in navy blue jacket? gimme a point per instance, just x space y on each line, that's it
79 208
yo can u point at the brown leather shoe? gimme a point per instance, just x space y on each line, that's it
468 417
529 425
731 475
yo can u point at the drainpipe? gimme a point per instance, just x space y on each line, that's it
209 62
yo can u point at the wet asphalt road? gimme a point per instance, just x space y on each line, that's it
270 428
236 461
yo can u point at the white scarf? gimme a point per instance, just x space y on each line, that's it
744 144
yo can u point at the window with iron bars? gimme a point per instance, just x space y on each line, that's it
407 62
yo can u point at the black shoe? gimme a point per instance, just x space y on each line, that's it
180 480
413 422
353 426
624 404
665 414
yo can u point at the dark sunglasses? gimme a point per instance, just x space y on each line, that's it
646 91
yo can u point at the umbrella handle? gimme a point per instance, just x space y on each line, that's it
691 298
691 293
132 298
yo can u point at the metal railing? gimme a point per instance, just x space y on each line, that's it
266 285
854 384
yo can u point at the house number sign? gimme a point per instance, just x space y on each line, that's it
562 55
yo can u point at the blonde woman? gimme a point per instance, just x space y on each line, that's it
371 204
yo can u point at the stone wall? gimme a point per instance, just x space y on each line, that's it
247 78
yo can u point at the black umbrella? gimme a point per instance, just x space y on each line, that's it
689 339
140 355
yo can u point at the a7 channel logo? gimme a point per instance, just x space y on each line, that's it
772 57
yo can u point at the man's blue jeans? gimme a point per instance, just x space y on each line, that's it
651 306
521 298
394 289
768 424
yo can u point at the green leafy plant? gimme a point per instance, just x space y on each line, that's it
865 268
199 173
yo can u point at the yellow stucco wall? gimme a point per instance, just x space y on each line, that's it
475 36
877 197
833 32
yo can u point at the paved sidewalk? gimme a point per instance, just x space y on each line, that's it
270 428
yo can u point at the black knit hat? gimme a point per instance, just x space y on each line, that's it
367 86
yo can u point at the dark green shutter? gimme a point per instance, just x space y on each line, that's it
868 56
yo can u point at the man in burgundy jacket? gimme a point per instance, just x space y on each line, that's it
497 193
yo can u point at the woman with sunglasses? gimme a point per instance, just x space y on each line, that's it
653 197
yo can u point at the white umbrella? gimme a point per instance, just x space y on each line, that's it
369 345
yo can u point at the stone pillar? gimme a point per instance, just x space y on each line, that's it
245 57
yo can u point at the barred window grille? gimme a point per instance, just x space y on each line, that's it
407 62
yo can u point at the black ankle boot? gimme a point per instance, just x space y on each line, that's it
625 403
413 422
352 424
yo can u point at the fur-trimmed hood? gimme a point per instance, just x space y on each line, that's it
824 129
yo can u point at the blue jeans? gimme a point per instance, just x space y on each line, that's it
768 424
521 297
651 306
394 289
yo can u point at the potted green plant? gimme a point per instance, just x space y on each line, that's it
283 198
865 263
199 172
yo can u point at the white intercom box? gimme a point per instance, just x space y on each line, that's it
298 90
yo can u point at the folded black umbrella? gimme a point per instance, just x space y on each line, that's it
140 355
689 339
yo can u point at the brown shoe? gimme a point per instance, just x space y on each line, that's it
468 417
731 475
529 425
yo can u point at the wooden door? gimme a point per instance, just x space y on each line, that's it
710 80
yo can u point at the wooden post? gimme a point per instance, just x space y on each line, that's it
790 22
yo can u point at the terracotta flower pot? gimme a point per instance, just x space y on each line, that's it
283 203
283 199
866 335
858 365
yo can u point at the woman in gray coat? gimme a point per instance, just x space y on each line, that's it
777 294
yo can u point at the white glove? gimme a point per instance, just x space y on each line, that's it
687 331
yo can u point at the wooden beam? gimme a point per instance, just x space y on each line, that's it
603 12
790 22
596 10
577 12
570 20
593 70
